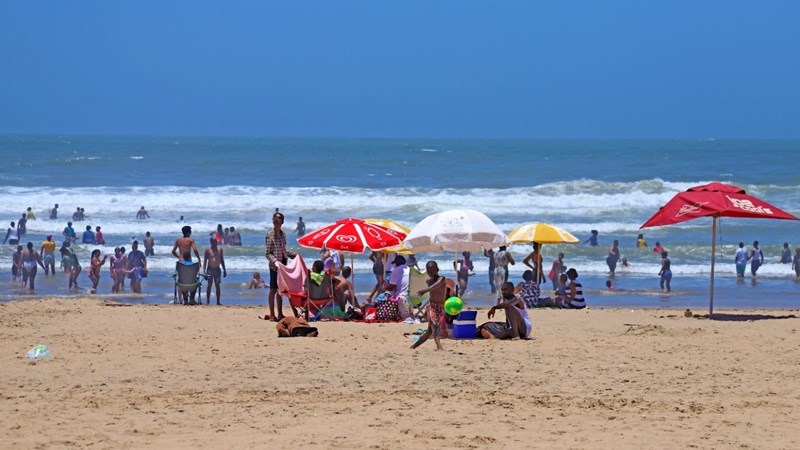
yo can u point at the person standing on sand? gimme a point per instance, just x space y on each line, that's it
756 258
213 259
435 312
276 252
185 244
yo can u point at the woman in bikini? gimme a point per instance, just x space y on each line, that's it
94 268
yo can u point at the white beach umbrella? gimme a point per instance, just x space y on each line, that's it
457 230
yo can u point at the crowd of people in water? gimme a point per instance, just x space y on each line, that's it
566 291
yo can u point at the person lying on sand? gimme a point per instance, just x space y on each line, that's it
295 327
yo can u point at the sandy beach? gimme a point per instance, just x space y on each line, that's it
157 376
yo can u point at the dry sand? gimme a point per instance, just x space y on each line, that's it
163 376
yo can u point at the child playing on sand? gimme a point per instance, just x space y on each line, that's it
94 268
257 282
437 289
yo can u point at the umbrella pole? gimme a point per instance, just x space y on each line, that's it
353 270
713 259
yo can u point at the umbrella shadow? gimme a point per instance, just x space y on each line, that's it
743 317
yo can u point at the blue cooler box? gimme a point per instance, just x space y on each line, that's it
465 325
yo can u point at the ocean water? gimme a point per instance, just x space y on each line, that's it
612 186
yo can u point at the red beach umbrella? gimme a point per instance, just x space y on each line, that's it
714 200
352 235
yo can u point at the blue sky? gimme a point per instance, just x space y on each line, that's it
494 69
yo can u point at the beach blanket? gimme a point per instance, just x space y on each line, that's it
292 276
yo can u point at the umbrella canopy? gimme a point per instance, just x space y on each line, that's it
541 233
714 200
457 230
352 235
392 225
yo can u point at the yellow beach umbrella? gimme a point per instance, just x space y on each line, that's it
396 226
390 224
541 233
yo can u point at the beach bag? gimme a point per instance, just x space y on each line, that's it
371 314
388 311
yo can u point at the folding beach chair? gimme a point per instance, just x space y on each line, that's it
292 279
188 282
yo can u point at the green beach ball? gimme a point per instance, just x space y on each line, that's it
453 305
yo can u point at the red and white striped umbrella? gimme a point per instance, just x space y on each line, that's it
352 235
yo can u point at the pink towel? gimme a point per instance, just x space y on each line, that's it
292 276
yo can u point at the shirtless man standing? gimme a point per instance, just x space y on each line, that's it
213 258
438 290
185 244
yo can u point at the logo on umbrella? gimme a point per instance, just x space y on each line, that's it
747 205
346 238
690 209
453 223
